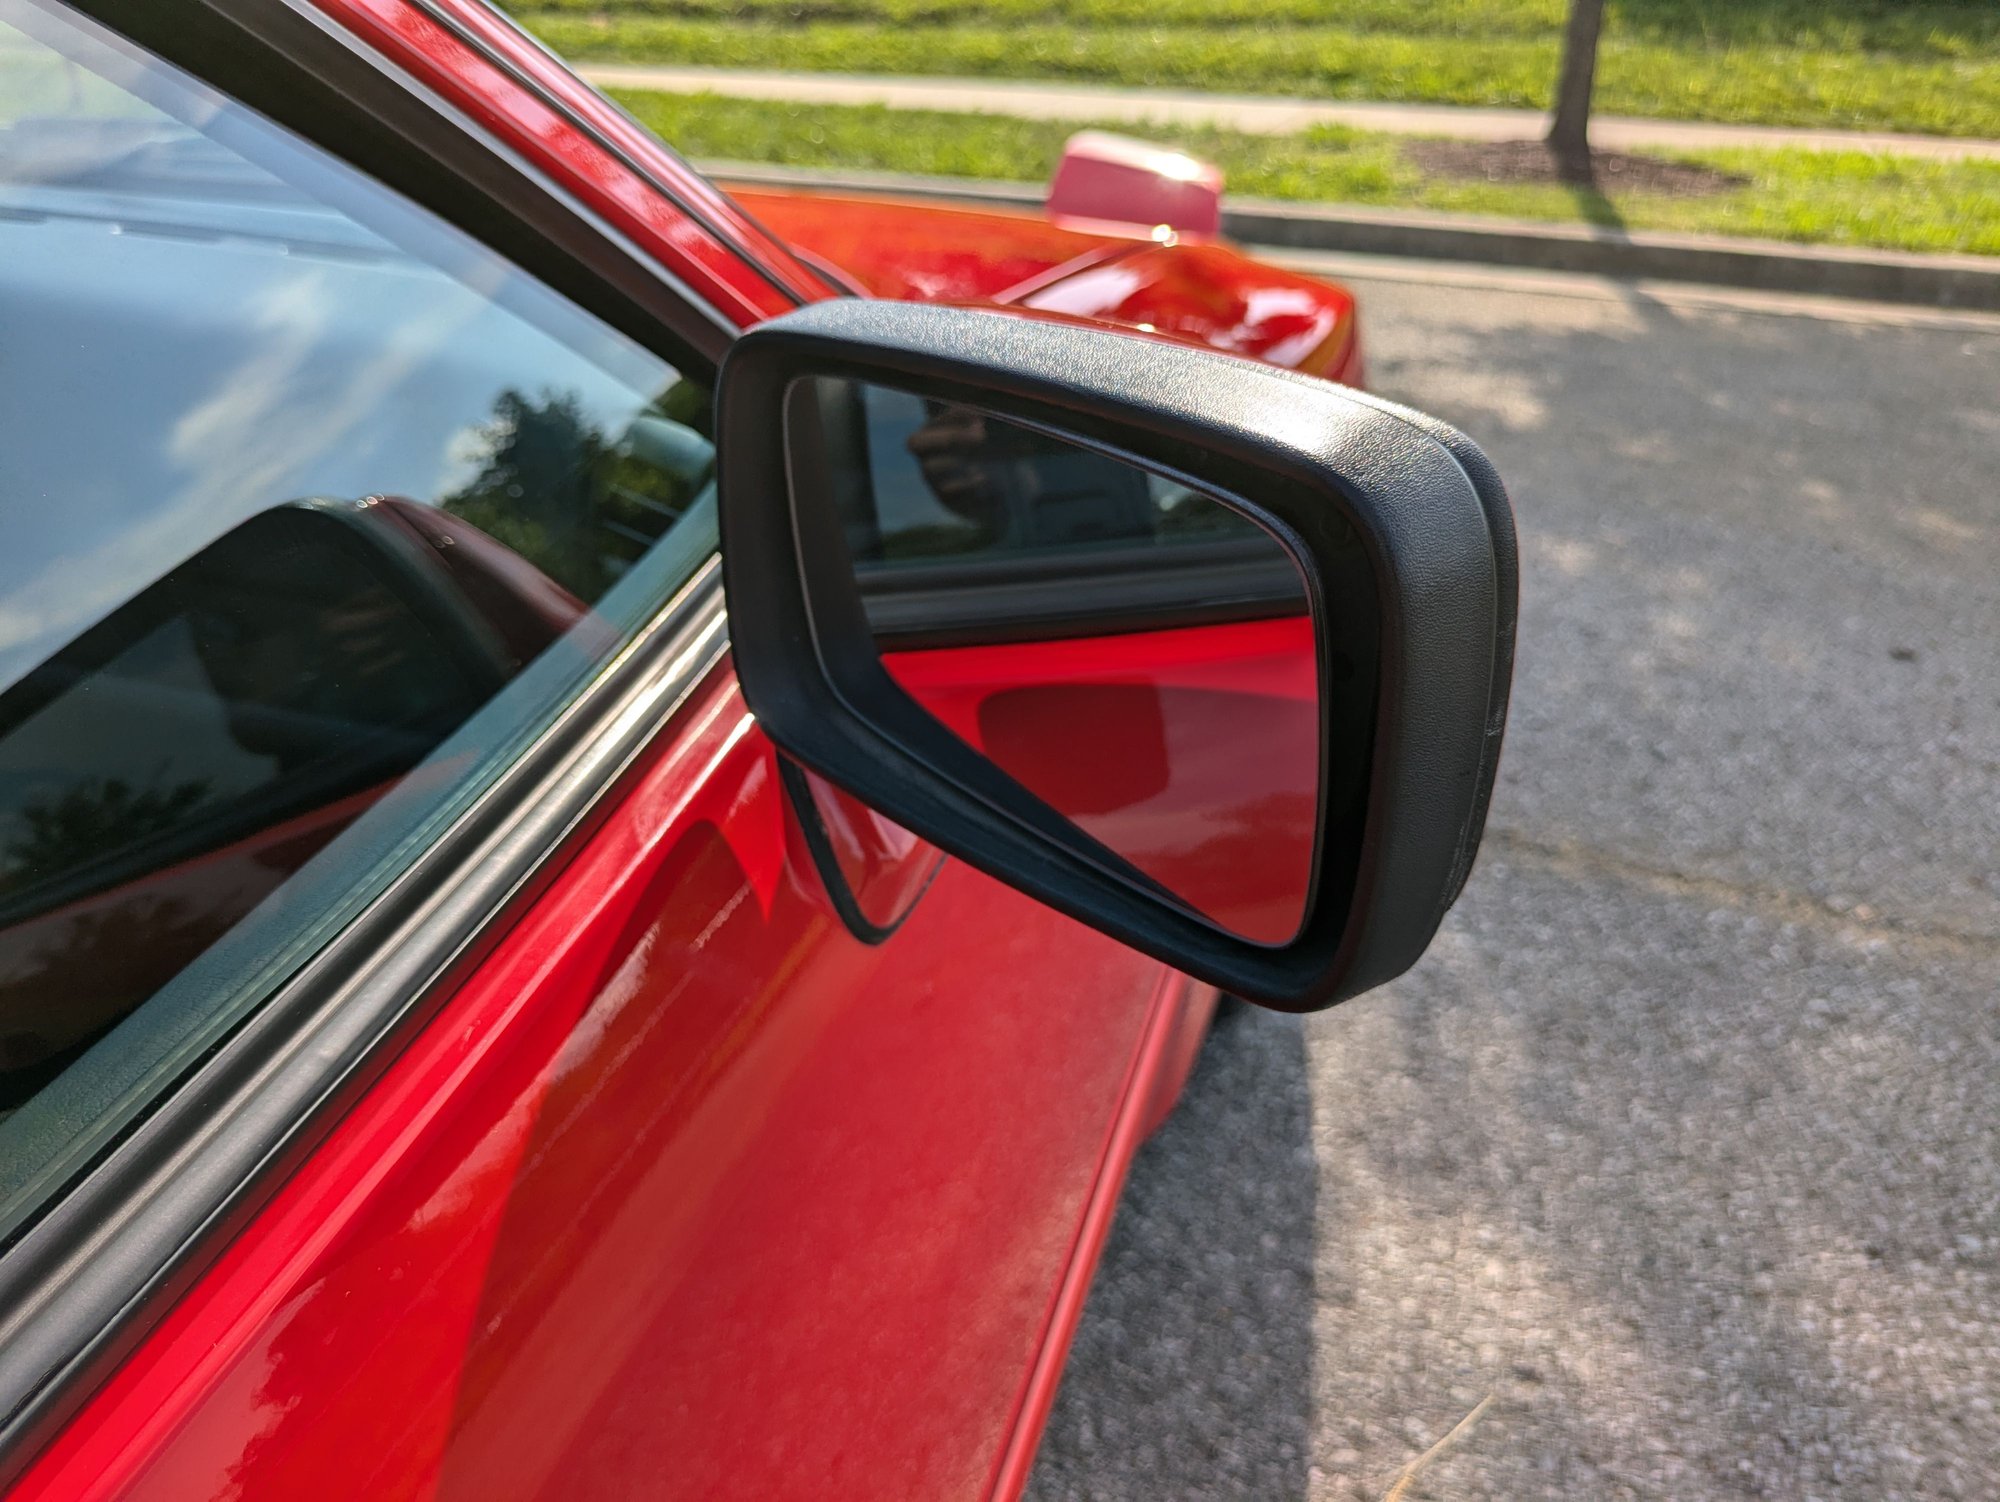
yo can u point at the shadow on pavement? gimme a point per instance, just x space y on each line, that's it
1192 1373
1681 1143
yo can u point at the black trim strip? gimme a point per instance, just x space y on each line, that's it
604 142
84 1285
1154 588
820 845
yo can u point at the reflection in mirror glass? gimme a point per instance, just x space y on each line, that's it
1133 651
949 482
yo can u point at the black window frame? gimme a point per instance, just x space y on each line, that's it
82 1285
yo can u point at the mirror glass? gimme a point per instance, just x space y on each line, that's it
1129 648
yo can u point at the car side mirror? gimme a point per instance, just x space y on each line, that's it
1212 657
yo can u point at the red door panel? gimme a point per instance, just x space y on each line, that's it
685 1193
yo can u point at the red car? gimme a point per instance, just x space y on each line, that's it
606 849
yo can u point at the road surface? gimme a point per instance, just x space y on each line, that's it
1683 1145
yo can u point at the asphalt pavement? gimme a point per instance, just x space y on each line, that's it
1680 1152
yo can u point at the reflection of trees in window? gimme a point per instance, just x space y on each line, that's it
165 771
298 665
578 504
87 821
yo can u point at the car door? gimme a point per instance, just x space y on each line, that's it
446 1053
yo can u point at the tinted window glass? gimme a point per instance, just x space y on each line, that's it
314 511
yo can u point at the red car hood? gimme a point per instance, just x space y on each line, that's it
1201 291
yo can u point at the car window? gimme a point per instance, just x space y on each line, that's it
315 511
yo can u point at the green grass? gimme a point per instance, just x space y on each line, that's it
1836 198
1908 27
1880 64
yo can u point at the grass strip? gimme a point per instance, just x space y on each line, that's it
1815 198
1951 87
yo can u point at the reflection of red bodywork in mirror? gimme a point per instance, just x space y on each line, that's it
1193 752
1120 729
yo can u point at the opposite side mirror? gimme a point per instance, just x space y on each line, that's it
1212 657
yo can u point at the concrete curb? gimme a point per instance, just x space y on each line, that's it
1767 265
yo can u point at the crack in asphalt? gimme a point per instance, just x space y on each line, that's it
1863 923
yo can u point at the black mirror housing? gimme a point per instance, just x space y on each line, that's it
1316 465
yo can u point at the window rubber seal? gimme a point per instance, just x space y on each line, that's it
85 1282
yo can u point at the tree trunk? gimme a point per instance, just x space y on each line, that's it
1569 134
